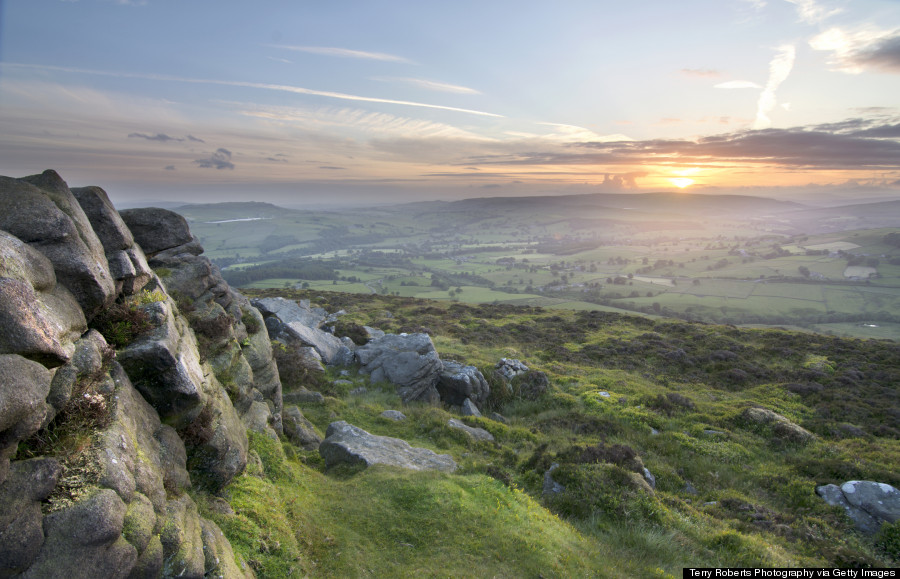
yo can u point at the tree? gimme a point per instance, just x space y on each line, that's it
804 271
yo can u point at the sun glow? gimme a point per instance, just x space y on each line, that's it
681 182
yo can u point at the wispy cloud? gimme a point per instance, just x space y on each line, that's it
161 137
429 84
779 69
221 159
813 11
731 84
281 60
254 85
854 52
195 139
344 53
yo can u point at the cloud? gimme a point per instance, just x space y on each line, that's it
221 159
333 168
162 138
779 69
813 12
344 53
429 84
731 84
854 52
850 144
703 72
281 60
170 167
195 139
255 85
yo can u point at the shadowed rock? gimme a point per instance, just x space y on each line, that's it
348 444
868 504
157 230
459 382
407 360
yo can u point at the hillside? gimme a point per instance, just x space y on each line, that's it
154 422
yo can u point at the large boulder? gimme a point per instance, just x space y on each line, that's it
38 319
290 311
298 325
41 211
21 531
157 230
868 504
407 360
458 382
348 444
24 386
127 263
299 430
165 367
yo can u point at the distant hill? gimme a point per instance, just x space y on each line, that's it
846 217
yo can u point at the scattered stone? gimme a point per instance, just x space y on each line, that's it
348 444
782 428
359 391
299 430
509 368
395 415
468 408
648 476
479 434
689 488
551 487
497 417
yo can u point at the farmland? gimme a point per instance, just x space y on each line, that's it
687 257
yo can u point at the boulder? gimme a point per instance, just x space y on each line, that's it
155 229
299 430
478 434
127 263
218 554
38 319
509 368
41 211
289 311
304 397
782 428
458 382
348 444
394 415
468 408
165 367
182 539
21 531
24 385
325 344
407 360
84 539
868 504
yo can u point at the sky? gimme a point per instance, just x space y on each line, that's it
318 103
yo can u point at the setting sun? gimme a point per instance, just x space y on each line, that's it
681 182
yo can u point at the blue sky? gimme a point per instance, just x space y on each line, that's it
380 101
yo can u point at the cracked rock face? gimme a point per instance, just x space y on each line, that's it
407 360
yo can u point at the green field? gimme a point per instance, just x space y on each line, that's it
717 270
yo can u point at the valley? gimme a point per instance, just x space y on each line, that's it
744 260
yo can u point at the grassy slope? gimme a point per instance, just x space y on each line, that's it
728 492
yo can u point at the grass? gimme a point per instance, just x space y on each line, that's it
728 492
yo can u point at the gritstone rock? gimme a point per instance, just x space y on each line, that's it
348 444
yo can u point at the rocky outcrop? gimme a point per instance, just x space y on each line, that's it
868 504
127 264
407 360
41 211
348 444
297 325
116 504
299 430
230 332
458 383
479 434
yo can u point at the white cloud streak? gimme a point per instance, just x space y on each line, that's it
429 84
779 69
254 85
344 53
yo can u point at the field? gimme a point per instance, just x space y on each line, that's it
571 252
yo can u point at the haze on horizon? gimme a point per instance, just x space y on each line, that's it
363 102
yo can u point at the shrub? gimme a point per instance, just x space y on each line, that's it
121 324
250 323
888 539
